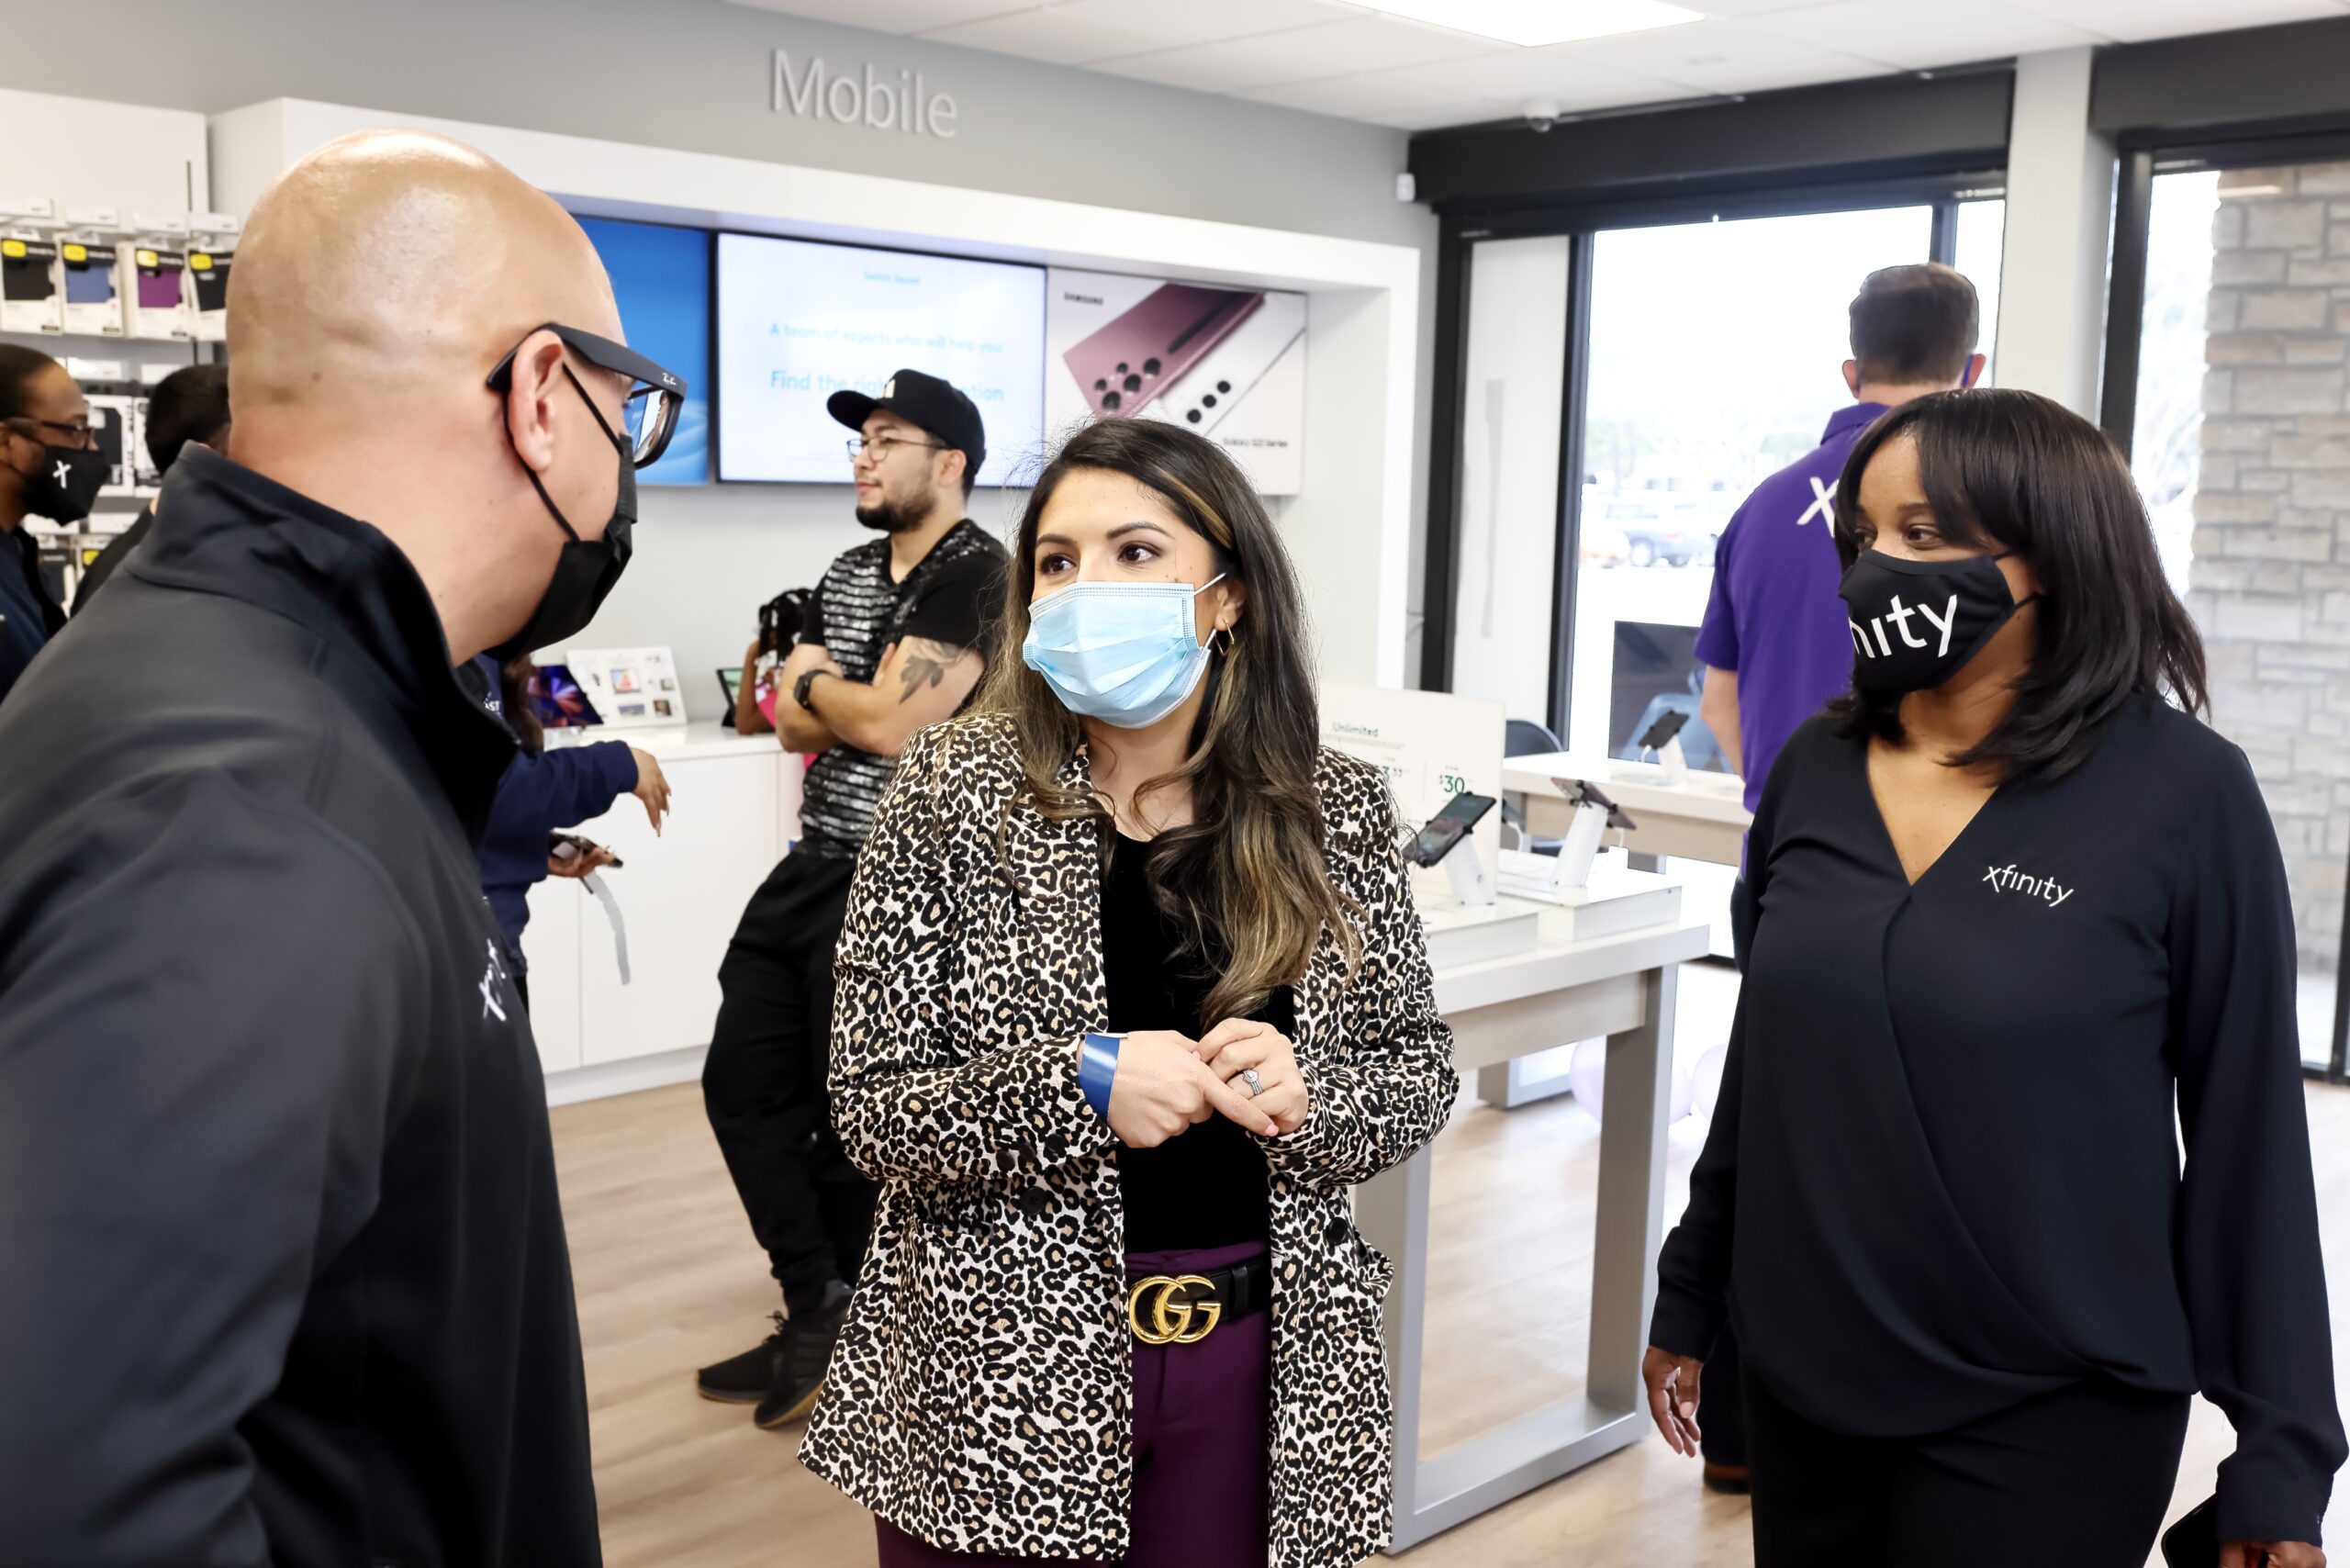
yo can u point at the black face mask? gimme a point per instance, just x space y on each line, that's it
64 485
1917 623
586 569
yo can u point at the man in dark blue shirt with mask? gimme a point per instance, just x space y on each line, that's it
49 467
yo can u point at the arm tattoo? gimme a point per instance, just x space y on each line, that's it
922 663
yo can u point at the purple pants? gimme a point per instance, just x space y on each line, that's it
1202 1417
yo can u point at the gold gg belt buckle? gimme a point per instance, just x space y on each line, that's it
1171 1316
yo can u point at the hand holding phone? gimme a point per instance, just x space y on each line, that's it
568 855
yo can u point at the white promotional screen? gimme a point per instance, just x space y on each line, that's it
798 320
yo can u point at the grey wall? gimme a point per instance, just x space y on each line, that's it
696 74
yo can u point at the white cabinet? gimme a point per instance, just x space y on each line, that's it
551 948
681 895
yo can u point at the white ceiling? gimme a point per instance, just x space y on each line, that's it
1338 58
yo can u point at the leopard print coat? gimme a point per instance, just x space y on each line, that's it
980 1397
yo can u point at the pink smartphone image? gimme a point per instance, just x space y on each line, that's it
1123 366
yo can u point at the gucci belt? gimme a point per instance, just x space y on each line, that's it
1183 1309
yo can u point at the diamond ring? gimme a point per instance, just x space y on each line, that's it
1256 1085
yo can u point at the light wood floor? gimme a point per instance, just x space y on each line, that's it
668 1279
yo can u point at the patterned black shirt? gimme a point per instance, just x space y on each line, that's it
953 597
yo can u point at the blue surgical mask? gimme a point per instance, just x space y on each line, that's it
1127 653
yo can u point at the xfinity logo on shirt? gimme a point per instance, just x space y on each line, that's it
1900 615
2007 880
493 978
1823 502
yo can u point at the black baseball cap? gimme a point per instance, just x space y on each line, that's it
924 401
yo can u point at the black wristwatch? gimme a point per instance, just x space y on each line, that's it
800 688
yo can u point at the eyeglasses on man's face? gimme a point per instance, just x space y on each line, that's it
879 445
77 436
649 407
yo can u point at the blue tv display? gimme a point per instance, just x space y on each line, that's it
661 278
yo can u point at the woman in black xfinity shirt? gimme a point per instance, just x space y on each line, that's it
2023 927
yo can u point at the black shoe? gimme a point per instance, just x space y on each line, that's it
1730 1479
801 1359
744 1379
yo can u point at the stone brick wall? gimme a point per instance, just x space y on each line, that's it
2270 580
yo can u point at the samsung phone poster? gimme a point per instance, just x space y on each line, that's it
799 321
1228 363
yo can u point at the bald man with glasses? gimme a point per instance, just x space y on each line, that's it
285 1277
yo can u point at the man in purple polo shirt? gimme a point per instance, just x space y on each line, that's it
1775 642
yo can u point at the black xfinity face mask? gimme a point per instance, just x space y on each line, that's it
1917 623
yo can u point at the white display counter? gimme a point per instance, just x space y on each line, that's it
735 808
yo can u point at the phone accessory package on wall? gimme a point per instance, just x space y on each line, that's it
212 241
155 278
30 298
89 263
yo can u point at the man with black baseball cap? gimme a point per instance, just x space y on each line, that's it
897 636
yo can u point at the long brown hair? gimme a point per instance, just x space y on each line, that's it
514 702
1248 878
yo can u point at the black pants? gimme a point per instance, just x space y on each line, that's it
1722 1391
764 1082
2081 1476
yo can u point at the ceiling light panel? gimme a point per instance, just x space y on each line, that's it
1534 23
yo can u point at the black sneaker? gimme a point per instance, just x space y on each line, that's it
744 1379
801 1359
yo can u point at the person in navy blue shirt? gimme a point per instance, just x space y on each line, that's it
50 467
1774 642
545 790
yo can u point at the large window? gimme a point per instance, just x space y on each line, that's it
1686 361
1715 358
2240 439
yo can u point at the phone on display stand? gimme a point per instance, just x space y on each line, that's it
1666 731
1448 828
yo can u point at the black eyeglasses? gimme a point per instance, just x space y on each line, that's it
83 437
880 444
651 411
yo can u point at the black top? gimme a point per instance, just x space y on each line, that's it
286 1280
1945 1144
953 595
118 550
30 617
1206 1187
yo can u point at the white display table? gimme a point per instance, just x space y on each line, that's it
1703 817
1620 988
733 808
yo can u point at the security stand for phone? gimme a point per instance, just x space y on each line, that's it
1620 988
1673 760
1472 883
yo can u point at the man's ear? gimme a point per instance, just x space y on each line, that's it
1852 376
952 462
529 401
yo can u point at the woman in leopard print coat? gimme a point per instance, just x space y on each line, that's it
988 1399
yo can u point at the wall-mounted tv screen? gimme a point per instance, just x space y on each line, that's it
661 281
799 320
